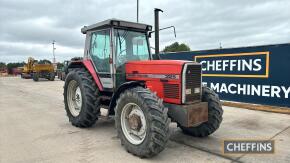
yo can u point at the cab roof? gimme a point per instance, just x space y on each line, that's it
116 23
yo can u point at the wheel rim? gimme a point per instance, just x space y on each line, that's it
133 123
74 98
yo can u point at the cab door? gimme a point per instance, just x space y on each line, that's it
100 53
129 46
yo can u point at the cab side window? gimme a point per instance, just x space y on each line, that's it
100 50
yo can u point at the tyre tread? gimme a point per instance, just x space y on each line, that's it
215 113
157 115
90 112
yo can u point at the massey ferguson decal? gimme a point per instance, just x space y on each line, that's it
154 76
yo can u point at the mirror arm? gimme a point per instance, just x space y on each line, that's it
164 29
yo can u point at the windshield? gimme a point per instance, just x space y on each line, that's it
130 46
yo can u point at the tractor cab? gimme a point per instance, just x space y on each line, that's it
112 43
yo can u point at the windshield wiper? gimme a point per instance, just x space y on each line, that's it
119 39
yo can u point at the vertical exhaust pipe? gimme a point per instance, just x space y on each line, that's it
156 26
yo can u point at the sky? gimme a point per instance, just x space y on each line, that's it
27 27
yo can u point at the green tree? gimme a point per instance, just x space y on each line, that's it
44 61
176 47
2 65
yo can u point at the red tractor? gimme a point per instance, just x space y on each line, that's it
118 73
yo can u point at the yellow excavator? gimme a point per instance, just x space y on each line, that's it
35 70
28 69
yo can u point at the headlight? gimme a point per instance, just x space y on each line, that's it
196 90
188 91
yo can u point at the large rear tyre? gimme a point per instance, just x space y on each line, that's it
141 121
215 113
81 98
35 76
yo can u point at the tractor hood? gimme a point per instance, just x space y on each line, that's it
165 77
155 67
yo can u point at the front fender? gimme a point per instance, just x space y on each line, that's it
121 89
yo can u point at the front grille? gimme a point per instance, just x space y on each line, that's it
192 81
171 90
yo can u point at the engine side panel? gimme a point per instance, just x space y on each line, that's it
164 78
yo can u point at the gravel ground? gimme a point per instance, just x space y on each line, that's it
34 128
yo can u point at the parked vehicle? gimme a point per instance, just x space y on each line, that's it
28 68
61 73
118 73
43 70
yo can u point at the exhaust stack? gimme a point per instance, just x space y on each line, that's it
156 26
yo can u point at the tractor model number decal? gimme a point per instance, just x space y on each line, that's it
155 76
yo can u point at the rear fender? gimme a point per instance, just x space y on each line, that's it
87 64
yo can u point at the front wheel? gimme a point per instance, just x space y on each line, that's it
141 121
215 113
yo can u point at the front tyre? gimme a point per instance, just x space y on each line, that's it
141 121
215 113
81 98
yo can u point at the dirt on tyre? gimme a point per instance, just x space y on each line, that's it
35 76
215 113
141 121
81 98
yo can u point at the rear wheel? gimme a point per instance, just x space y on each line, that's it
81 98
35 76
142 122
215 113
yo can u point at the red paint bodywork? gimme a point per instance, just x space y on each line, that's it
157 67
89 66
151 67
